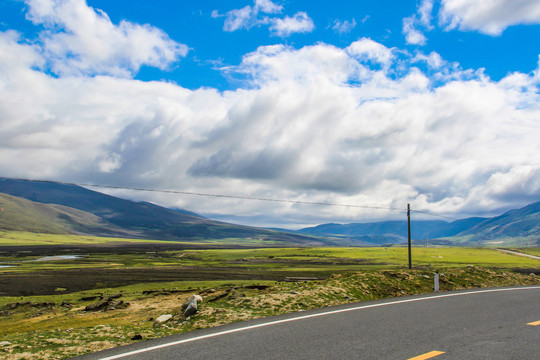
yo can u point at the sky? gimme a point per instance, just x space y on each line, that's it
376 104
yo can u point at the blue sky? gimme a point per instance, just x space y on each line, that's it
205 35
377 103
211 47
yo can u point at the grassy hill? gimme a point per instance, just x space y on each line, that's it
18 214
59 208
517 227
22 215
520 222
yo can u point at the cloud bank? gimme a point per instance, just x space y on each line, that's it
363 124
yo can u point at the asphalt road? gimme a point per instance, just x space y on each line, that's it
478 324
519 254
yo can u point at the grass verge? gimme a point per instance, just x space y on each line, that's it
58 327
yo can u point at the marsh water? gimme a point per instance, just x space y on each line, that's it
58 257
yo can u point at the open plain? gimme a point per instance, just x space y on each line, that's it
48 291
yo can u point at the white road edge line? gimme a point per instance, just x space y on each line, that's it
307 317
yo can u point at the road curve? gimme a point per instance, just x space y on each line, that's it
500 323
520 254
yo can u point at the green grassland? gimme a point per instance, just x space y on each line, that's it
25 238
319 261
22 238
385 257
236 284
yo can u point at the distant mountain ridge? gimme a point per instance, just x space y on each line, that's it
522 225
420 229
524 222
60 208
112 216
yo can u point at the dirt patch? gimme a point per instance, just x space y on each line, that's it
73 280
116 248
528 271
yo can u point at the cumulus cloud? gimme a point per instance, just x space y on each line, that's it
412 34
299 23
258 14
79 39
363 124
367 49
489 17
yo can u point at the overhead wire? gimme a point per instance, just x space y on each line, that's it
238 197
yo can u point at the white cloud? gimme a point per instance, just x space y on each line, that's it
257 15
343 27
311 64
318 123
412 34
367 49
16 56
81 40
433 60
238 18
267 6
425 11
299 23
414 25
488 16
248 17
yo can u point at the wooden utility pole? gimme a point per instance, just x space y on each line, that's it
409 232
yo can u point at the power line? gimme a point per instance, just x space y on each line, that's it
441 216
239 197
206 194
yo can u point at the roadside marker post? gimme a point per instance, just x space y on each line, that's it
436 280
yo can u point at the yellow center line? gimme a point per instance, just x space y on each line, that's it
428 355
534 323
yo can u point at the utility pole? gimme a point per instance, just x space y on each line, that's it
409 232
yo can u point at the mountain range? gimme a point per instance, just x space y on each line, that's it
394 231
50 207
69 209
520 227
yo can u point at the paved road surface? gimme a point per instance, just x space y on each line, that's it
520 254
479 324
